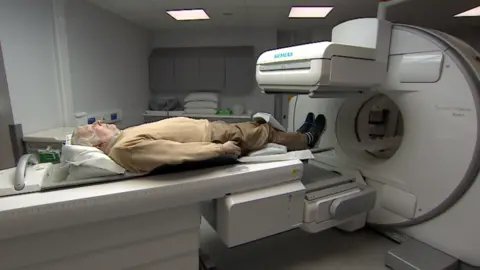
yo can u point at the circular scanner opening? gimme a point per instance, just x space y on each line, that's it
379 127
370 128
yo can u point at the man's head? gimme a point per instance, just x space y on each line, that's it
97 135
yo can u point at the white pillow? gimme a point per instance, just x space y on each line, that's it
202 96
86 156
201 105
200 111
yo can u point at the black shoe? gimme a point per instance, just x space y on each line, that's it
307 124
316 130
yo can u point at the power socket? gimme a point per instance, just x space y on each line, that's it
110 117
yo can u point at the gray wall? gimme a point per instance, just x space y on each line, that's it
108 62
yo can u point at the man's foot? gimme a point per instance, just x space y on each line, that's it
307 124
316 130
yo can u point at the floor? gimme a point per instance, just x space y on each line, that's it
298 250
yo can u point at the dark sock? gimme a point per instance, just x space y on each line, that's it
308 122
315 131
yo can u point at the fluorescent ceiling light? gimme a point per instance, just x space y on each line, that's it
309 12
470 13
188 14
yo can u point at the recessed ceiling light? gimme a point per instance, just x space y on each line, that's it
470 13
188 14
309 12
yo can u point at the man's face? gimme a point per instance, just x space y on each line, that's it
104 131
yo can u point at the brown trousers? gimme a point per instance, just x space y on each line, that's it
252 136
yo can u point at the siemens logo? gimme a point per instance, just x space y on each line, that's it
282 55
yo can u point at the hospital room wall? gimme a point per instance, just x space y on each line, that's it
108 59
27 37
107 56
261 39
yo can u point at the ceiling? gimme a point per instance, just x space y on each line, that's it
274 13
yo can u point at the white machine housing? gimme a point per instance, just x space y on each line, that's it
316 200
428 188
319 199
347 65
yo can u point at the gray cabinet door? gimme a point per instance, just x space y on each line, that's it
162 73
240 71
187 75
6 119
228 70
212 72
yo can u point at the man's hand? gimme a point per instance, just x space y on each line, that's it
230 148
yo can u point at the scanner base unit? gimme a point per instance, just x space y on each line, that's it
318 200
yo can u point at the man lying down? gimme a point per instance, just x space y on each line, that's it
141 149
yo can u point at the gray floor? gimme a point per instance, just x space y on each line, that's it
297 250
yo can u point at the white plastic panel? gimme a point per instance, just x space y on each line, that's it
440 137
398 201
323 67
342 33
318 50
35 175
75 206
132 255
319 210
405 41
300 79
350 224
340 74
131 240
354 72
463 241
421 67
248 216
366 32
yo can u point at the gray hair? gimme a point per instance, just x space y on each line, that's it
84 135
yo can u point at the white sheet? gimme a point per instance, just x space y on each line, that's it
88 164
293 155
270 149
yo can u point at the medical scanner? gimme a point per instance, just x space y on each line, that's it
412 133
399 152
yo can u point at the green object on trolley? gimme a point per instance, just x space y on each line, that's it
48 156
224 112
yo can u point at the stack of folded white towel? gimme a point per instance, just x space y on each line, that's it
201 103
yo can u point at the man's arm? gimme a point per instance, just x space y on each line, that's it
146 155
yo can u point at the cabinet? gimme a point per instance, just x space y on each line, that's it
212 72
228 70
240 74
186 75
161 72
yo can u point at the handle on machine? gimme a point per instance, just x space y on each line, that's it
21 170
321 150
